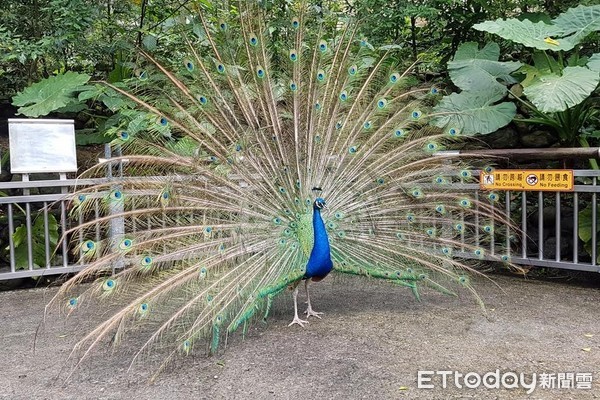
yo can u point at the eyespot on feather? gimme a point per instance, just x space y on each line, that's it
123 135
322 46
320 75
453 132
72 303
253 39
116 195
125 244
89 246
146 261
109 285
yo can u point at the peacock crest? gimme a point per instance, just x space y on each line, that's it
223 152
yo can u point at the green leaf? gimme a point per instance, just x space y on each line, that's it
38 242
185 147
530 73
113 103
149 42
390 47
84 139
19 236
479 74
594 62
474 112
49 94
137 124
476 70
579 22
552 93
90 92
527 33
470 50
585 224
72 108
545 62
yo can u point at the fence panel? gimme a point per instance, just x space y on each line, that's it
555 229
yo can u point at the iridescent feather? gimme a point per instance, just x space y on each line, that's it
217 202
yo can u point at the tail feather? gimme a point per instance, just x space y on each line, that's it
221 151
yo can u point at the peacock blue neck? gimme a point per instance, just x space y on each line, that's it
319 263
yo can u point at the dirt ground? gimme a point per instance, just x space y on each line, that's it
370 344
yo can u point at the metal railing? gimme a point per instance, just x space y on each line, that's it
549 226
36 255
548 233
34 248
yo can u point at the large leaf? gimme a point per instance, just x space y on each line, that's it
469 50
475 70
49 94
474 112
528 33
478 74
552 93
594 62
38 244
579 22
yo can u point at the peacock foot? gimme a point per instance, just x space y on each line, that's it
298 321
312 313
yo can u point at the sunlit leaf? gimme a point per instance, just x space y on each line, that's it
578 22
474 112
552 93
527 33
49 94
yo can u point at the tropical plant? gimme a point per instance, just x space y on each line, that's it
556 89
38 242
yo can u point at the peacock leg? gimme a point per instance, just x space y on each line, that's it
309 311
297 320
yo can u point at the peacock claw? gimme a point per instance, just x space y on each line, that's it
298 321
312 313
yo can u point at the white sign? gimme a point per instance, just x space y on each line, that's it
42 145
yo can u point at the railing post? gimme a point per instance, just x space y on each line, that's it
117 224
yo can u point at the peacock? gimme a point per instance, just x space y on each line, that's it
272 152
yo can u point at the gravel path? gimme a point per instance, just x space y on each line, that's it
371 342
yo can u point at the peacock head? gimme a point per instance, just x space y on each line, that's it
319 203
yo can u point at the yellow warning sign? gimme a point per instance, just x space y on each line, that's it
554 180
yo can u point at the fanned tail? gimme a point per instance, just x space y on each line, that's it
222 149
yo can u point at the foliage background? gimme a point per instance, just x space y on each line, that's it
39 38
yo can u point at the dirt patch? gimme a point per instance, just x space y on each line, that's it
370 344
